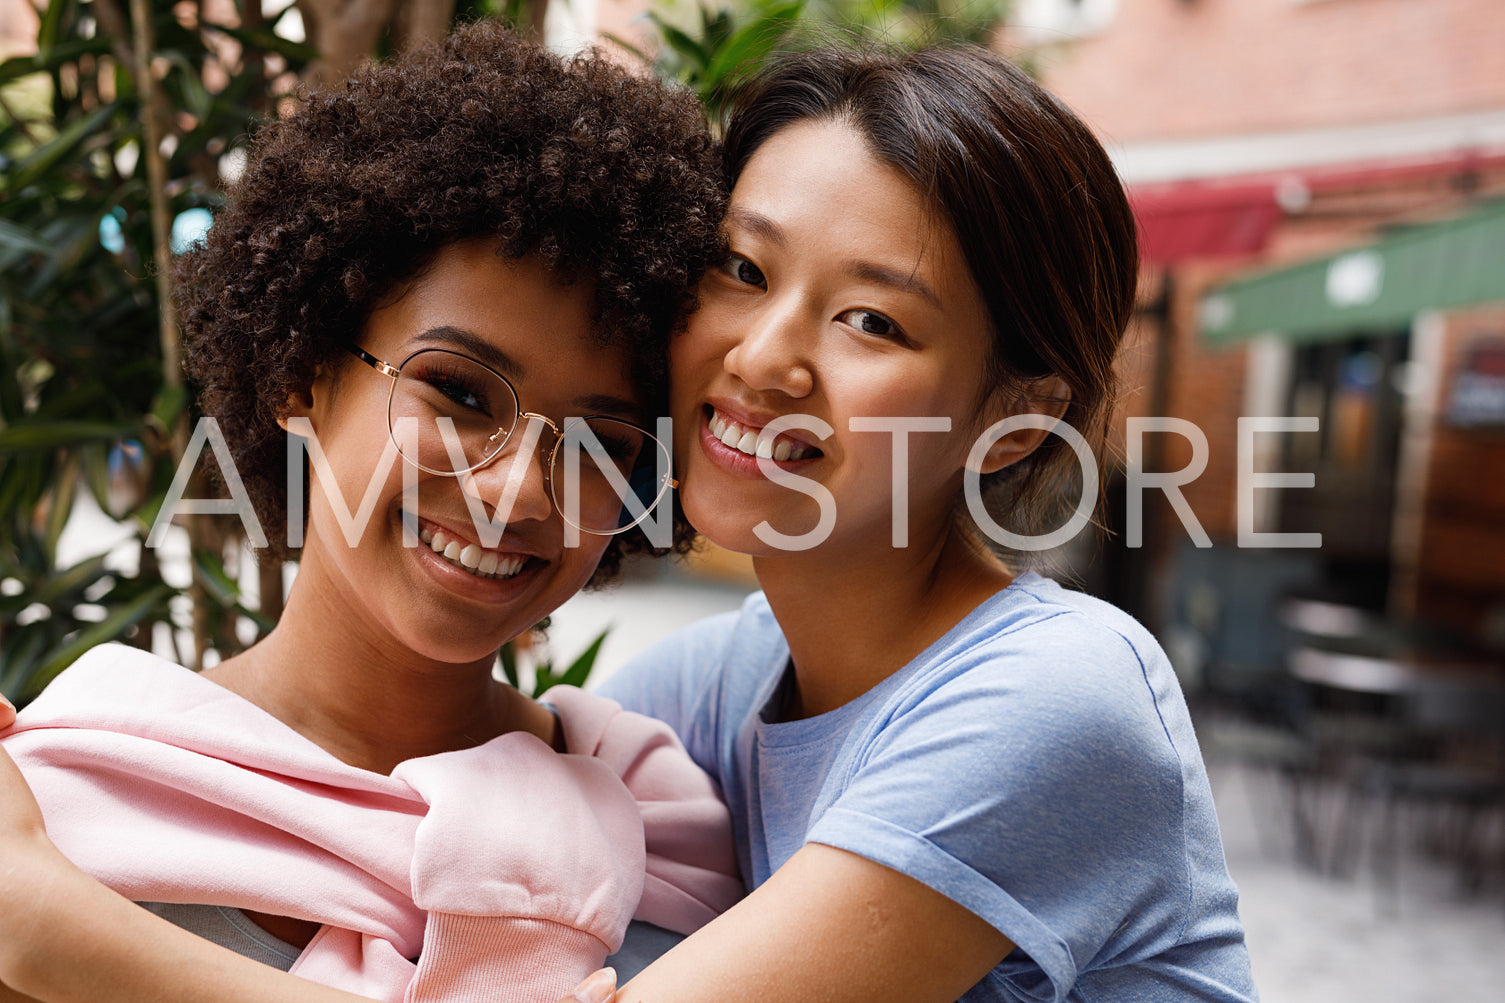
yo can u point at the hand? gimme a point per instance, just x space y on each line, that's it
601 987
31 866
7 713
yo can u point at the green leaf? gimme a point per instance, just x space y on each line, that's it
51 23
210 572
52 56
49 154
59 433
629 46
751 45
74 580
580 668
64 490
267 40
17 240
507 656
111 628
683 43
19 651
170 402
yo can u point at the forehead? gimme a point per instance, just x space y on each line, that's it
512 314
821 182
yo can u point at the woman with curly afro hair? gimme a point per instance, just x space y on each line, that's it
455 280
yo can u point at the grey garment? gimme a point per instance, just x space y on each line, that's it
642 946
228 928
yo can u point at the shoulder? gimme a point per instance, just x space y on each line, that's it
1042 678
689 668
1037 640
114 681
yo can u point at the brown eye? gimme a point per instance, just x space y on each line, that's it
744 271
871 322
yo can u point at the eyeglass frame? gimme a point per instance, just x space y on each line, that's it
668 481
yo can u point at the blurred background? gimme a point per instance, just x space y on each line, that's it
1306 499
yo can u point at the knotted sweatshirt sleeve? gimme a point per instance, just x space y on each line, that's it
692 873
529 865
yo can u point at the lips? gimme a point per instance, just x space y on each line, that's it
746 439
472 557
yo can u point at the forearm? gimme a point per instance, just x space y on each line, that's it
82 942
828 926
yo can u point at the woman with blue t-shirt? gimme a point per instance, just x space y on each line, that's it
949 778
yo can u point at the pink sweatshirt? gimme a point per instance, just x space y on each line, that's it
508 871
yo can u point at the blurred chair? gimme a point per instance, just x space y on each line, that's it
1405 718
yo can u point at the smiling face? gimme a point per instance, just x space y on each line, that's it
843 297
448 598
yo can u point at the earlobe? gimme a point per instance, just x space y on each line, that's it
1019 426
300 404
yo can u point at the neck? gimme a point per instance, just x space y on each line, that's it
853 619
370 704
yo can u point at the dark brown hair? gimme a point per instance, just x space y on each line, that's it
608 177
1034 202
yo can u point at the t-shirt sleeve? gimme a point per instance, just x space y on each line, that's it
1035 786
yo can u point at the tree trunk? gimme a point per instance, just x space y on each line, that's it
345 32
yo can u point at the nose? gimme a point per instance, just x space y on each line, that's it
773 351
512 483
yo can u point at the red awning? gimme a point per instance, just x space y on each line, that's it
1233 216
1203 220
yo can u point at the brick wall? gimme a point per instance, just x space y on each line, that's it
1165 69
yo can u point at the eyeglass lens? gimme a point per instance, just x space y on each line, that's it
449 414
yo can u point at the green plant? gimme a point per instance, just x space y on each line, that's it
726 45
90 393
545 675
714 49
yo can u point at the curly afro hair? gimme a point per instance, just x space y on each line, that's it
605 176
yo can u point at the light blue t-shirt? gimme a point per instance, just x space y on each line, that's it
1036 765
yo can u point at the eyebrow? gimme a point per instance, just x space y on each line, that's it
606 404
477 347
761 226
758 223
904 281
485 352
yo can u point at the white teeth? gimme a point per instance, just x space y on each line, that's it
472 557
747 441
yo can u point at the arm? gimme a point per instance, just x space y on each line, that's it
66 938
831 926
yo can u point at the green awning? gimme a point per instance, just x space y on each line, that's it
1437 265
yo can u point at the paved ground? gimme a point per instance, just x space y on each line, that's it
1314 938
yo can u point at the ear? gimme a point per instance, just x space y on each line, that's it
306 403
1047 397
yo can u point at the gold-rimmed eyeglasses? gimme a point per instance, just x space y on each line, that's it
450 415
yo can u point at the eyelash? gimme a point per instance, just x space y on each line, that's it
894 332
733 267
